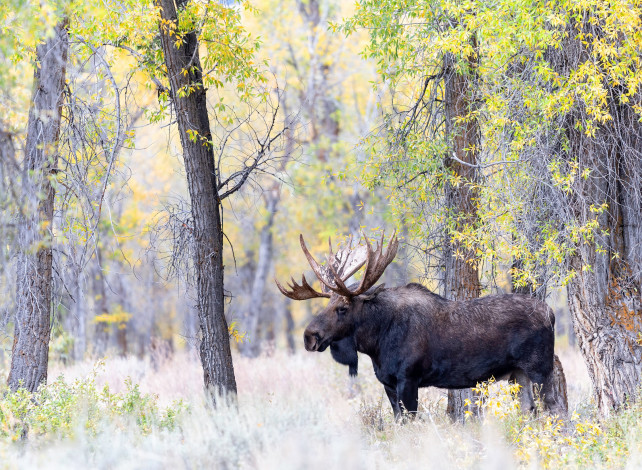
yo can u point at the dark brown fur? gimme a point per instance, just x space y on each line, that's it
416 338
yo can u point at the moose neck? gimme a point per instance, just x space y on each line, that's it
370 321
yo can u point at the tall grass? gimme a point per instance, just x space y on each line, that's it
297 411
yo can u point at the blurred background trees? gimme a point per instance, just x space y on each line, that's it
501 140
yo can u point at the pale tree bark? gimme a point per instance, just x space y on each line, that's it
289 325
185 72
317 98
101 309
78 313
254 308
30 351
461 274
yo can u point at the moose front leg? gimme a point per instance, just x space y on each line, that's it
394 400
407 394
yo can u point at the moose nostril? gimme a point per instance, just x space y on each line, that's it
310 340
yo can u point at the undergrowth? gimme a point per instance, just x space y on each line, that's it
62 409
296 417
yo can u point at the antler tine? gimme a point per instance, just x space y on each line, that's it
314 265
300 292
376 263
344 253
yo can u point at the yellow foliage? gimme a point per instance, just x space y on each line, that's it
116 317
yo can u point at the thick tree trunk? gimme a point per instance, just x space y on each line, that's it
461 276
34 260
605 300
605 293
189 98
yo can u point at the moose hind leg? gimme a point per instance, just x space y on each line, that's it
526 401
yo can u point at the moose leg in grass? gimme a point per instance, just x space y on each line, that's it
416 338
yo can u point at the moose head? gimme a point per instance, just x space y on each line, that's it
336 321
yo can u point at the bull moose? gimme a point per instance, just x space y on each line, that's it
417 338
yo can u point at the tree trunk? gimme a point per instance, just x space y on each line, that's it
254 309
461 276
30 351
289 326
185 73
101 326
605 300
79 316
605 293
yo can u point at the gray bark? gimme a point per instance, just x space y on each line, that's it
604 296
101 329
30 351
198 156
289 326
605 300
79 316
254 307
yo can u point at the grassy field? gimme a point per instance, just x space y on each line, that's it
297 411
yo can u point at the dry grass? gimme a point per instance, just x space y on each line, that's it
300 411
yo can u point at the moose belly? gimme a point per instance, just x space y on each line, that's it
445 373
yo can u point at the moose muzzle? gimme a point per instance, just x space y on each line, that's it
313 341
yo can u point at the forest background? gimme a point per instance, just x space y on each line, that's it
501 140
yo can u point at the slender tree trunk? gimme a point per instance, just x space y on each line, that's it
461 276
125 327
254 308
289 326
34 281
254 311
79 316
185 73
101 327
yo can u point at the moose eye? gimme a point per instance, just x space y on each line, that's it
342 311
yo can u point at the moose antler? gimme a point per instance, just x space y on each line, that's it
301 292
340 266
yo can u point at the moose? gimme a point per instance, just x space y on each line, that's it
417 338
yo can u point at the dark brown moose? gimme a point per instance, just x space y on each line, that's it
416 338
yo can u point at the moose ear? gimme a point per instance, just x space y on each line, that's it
373 294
